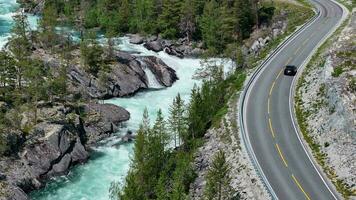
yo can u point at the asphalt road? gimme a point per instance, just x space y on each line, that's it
267 119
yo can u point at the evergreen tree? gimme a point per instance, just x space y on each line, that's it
91 54
187 23
177 121
161 189
218 179
244 18
48 24
169 19
20 45
210 25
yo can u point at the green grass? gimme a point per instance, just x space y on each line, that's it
337 71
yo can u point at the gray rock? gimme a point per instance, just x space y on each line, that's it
152 38
155 46
164 74
128 137
105 120
79 154
196 52
17 194
40 157
63 166
136 39
172 51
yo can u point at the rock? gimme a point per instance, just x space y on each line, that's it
155 46
196 52
123 79
62 167
164 74
266 40
3 105
17 194
103 120
40 157
124 57
152 38
172 51
79 154
128 137
136 39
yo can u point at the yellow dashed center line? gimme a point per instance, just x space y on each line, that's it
288 61
280 72
270 127
270 91
297 50
281 155
305 41
300 187
268 105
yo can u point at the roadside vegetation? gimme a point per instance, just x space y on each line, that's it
318 60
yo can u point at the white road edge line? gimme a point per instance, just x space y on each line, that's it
292 95
247 91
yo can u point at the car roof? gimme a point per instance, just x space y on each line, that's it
291 66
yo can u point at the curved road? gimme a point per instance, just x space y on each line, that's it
267 125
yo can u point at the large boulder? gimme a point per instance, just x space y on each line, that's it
125 78
136 39
62 166
155 46
79 154
103 120
165 75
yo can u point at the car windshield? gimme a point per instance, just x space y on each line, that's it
290 67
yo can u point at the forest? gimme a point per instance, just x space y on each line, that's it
221 24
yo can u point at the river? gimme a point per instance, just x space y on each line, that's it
109 163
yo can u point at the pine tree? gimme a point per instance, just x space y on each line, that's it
218 179
7 76
244 18
20 45
187 24
161 189
48 24
177 121
210 25
169 19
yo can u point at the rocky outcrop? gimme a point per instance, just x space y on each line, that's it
59 141
165 75
136 39
125 77
33 6
102 120
155 46
180 48
244 179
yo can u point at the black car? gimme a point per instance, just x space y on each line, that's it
290 70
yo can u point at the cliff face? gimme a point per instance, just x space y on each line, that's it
328 101
59 140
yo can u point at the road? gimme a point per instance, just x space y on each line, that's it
267 125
